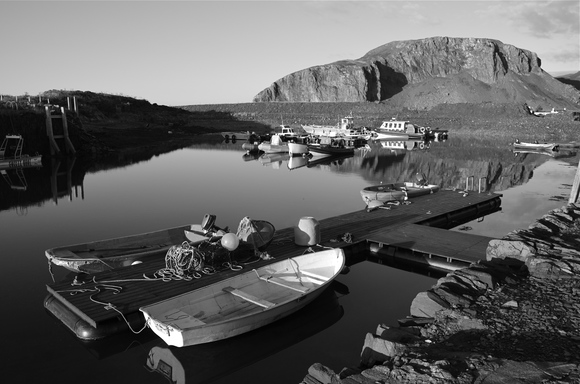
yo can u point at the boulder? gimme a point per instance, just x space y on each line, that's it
427 304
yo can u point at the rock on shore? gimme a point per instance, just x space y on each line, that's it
513 318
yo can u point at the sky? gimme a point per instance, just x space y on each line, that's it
222 52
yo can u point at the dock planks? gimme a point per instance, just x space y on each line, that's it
434 242
96 293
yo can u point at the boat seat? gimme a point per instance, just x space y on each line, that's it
248 297
283 283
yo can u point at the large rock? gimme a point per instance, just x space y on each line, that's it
427 72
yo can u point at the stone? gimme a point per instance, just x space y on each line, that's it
397 335
454 295
481 279
376 350
323 374
546 268
502 249
426 304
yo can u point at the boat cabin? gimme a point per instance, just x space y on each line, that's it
398 126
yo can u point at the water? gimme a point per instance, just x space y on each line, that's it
151 192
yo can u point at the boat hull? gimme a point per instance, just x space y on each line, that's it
536 146
273 148
329 150
119 252
245 302
297 149
396 191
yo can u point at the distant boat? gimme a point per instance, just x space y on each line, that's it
328 145
396 191
535 146
276 145
245 302
297 149
345 128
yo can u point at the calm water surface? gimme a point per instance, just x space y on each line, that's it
180 187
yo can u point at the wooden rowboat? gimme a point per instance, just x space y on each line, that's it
101 255
396 191
245 302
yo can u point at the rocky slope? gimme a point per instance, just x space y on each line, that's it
420 74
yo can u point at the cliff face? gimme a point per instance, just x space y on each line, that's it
428 72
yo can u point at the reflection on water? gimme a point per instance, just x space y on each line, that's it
141 192
207 362
449 164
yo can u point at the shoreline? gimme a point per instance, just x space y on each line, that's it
514 317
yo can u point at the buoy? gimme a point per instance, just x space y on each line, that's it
230 241
307 232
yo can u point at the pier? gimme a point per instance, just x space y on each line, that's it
95 308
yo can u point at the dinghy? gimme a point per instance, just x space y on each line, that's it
535 146
249 300
396 191
102 255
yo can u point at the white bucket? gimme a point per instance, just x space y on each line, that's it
307 232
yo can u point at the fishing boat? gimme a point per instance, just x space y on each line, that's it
396 191
535 146
247 301
100 255
401 129
345 128
11 154
327 145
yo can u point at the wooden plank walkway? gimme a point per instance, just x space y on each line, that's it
450 246
92 298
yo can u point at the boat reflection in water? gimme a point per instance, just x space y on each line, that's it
274 159
208 362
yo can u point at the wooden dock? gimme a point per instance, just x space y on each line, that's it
434 247
90 298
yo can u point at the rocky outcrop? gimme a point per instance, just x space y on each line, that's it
433 71
514 317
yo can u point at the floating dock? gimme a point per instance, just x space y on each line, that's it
94 306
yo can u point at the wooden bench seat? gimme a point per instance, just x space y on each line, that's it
251 298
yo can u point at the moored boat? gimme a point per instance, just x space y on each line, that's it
100 255
345 129
327 145
244 302
403 130
297 149
276 145
535 146
396 191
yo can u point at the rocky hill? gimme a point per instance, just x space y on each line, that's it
420 74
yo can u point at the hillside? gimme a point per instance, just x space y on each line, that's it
420 74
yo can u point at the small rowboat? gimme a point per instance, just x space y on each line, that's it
536 146
245 302
396 191
102 255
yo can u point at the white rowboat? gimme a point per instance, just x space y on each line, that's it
247 301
